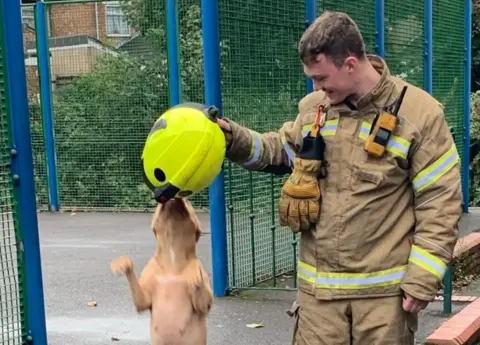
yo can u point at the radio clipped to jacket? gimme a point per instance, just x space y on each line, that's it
382 128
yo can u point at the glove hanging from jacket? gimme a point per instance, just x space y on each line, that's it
299 205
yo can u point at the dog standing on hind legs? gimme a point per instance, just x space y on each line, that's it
173 284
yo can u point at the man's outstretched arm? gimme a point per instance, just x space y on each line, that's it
271 152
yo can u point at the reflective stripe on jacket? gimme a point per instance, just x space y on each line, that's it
387 224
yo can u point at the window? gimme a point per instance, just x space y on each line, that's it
117 25
27 16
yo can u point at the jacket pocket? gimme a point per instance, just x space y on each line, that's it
368 177
374 173
365 181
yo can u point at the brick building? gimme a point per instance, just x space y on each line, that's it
78 33
103 21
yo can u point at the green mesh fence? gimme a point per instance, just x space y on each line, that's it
362 12
12 288
110 82
404 39
36 127
262 83
109 77
449 63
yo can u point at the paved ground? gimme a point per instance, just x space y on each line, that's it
76 254
470 222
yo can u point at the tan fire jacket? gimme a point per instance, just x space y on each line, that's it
387 224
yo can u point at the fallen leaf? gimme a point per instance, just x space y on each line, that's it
92 304
255 325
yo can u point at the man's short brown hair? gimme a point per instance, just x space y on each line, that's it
333 34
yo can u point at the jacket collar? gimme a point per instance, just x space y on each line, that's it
379 97
382 91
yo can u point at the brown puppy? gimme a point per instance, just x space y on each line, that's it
173 285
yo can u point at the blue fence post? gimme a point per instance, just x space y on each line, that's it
173 53
467 113
380 27
447 289
43 60
428 53
213 96
310 14
22 168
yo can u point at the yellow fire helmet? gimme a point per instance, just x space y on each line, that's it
183 152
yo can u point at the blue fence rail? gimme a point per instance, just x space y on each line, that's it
213 96
466 103
46 102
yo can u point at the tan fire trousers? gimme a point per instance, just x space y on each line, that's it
371 321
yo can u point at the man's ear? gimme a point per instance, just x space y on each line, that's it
350 63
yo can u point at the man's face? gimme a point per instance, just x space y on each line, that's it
336 82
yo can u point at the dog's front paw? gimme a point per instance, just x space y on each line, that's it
122 265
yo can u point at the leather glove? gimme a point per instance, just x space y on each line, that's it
299 205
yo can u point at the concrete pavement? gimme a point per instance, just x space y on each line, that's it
76 254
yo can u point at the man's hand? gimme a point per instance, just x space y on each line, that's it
412 304
224 125
227 130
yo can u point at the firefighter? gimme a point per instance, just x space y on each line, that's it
376 202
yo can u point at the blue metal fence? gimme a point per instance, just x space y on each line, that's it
26 224
466 104
213 96
46 102
380 27
310 15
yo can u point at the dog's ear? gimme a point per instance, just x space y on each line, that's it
198 233
155 219
198 229
194 220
